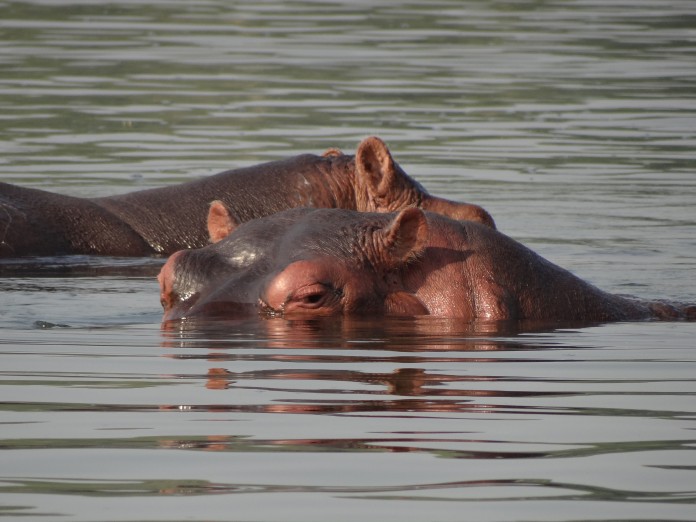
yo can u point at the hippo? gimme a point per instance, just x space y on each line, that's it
305 263
163 220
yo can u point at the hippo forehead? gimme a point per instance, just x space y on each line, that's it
297 234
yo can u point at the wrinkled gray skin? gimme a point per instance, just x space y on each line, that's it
164 220
318 262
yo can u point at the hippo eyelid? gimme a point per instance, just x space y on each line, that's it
312 293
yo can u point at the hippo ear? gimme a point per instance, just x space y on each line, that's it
404 238
332 152
375 165
221 222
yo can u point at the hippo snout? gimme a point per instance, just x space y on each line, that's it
205 283
167 278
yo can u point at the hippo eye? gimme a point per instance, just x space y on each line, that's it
312 295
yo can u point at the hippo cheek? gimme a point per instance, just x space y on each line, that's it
404 304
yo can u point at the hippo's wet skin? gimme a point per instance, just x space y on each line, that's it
164 220
318 262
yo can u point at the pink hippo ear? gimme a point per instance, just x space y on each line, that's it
221 222
375 165
403 239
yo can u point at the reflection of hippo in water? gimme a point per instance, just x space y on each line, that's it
164 220
316 262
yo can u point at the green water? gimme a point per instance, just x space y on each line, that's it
571 122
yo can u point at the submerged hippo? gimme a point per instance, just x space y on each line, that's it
318 262
164 220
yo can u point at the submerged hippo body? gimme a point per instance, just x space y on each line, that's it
311 262
164 220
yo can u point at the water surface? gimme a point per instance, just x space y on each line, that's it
571 122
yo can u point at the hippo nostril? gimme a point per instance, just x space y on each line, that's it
169 301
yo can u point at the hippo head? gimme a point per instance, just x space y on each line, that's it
305 263
301 262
